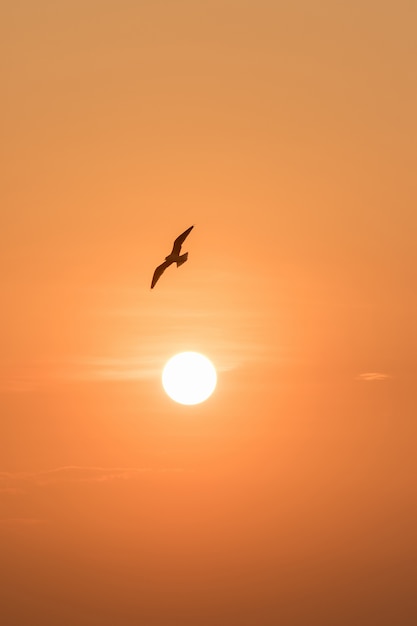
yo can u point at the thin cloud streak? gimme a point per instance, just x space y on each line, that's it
226 355
25 492
373 376
11 481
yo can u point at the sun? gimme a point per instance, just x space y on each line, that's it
189 378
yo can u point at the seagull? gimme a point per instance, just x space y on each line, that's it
174 257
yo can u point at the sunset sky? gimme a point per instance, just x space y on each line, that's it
287 134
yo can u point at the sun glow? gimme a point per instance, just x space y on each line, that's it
189 378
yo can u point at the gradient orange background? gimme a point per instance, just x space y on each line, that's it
287 134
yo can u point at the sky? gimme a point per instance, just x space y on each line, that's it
286 133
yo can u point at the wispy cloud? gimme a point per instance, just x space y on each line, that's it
373 376
18 482
79 474
40 375
114 368
148 365
25 497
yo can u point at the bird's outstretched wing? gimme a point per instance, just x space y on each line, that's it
158 272
180 240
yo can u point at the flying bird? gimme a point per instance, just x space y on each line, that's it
174 257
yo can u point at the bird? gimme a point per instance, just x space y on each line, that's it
174 257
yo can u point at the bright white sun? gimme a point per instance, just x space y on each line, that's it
189 378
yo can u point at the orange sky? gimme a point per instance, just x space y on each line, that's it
287 135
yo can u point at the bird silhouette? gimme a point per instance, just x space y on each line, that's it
174 257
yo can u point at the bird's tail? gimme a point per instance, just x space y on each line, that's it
182 259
